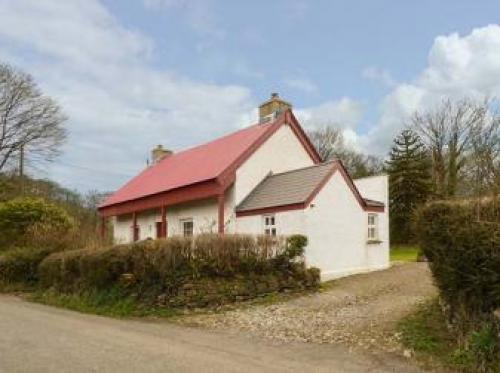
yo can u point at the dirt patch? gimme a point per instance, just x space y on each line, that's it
359 310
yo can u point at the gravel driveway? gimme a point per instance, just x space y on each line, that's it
359 310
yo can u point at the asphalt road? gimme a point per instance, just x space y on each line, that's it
38 338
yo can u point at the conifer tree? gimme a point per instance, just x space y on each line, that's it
409 182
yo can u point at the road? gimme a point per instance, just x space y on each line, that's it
38 338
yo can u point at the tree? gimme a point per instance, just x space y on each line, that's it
448 132
30 123
409 182
330 144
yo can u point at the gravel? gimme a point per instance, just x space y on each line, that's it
360 310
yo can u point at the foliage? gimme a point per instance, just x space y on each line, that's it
112 302
166 267
21 218
462 241
425 332
20 265
409 183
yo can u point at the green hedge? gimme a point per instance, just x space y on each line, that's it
20 265
149 269
462 242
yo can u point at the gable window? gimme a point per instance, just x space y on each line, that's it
187 227
269 225
372 227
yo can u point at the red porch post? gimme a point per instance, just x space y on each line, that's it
164 226
135 235
220 202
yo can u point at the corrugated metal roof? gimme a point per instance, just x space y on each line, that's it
286 188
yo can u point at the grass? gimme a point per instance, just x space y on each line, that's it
404 253
108 303
425 332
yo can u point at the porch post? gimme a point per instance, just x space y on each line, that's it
103 227
220 203
164 227
134 227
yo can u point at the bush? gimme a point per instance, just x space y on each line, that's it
23 219
462 242
164 267
20 265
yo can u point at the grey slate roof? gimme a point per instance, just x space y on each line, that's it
286 188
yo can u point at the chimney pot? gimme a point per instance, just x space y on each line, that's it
272 107
159 153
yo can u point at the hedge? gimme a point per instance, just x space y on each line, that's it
20 265
167 268
462 242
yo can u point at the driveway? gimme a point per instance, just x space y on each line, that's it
38 338
358 311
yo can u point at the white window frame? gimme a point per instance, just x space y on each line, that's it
373 228
269 225
183 228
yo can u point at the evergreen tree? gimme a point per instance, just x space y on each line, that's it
409 182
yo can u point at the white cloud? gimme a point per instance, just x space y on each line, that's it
301 84
379 75
344 113
458 66
119 106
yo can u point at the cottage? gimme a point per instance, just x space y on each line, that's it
264 179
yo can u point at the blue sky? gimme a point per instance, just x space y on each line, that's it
131 74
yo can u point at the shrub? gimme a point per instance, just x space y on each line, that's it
20 265
23 219
462 242
151 268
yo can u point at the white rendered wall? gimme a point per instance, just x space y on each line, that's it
336 227
377 188
281 152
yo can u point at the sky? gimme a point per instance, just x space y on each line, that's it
131 74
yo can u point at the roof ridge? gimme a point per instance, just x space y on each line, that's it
304 168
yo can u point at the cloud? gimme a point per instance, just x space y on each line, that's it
458 66
119 106
378 75
301 84
343 113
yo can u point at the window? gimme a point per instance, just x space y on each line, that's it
270 225
187 227
372 227
159 229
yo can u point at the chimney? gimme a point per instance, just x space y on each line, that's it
272 107
158 153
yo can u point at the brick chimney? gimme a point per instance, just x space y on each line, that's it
272 107
158 153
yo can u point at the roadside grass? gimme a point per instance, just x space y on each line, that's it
106 303
404 253
426 334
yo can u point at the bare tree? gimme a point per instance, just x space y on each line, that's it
330 144
328 141
449 131
30 123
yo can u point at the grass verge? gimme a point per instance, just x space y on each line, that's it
404 253
110 303
425 332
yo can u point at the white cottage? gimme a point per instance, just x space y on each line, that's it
264 179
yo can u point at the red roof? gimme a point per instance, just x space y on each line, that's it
198 164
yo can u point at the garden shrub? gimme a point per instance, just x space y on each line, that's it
462 242
20 265
27 219
165 267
